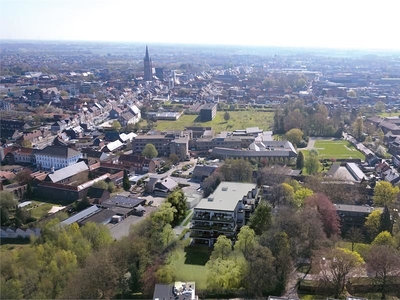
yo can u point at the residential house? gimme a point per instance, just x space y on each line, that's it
161 187
56 157
179 291
139 164
115 113
112 146
201 172
58 127
97 195
223 212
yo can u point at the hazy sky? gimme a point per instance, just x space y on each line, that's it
297 23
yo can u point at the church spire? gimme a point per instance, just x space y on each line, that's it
147 57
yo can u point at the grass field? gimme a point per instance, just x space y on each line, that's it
39 209
189 265
338 149
238 120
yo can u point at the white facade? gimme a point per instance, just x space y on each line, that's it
47 162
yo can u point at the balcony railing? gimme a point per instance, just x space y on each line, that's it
222 219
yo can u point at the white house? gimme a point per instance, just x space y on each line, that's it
56 157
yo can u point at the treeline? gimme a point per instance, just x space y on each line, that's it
315 120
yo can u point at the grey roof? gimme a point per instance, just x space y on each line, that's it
226 196
253 153
68 171
80 216
101 217
122 201
169 183
59 151
354 208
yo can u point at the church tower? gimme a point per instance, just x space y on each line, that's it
148 66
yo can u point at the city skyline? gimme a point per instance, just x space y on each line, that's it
309 23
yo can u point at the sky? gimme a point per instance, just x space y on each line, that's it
350 24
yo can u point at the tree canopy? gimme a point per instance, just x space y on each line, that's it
385 193
149 151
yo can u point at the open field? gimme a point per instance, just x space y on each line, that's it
189 265
238 120
39 209
338 149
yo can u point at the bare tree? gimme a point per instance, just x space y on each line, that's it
384 262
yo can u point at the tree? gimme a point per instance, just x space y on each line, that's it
225 274
385 193
384 238
149 151
227 116
260 275
334 266
7 200
300 160
238 170
327 212
163 215
5 216
261 220
97 234
354 235
386 222
84 203
358 129
312 163
379 106
384 262
26 144
351 93
300 195
101 185
373 224
125 181
222 248
168 235
178 202
294 136
23 177
116 126
246 240
174 158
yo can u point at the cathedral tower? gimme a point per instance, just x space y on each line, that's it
148 66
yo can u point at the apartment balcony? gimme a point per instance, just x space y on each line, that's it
200 217
204 235
222 219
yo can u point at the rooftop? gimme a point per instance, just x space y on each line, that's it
226 196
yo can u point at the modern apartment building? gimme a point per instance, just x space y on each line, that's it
224 212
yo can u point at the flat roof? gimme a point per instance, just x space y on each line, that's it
226 196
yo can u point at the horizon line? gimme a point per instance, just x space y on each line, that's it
303 47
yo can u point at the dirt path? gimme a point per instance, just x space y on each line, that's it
310 145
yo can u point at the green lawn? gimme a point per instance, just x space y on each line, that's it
189 265
338 149
39 209
238 120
